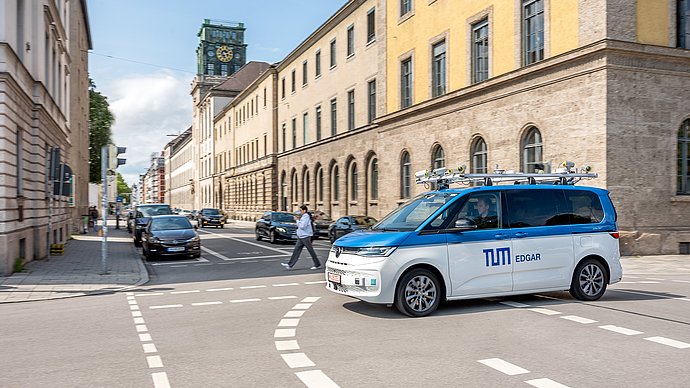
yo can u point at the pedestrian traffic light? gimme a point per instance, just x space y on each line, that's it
113 160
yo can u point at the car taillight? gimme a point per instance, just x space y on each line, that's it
615 235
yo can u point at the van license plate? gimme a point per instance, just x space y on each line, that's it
335 278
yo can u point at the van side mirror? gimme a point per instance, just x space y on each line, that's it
464 224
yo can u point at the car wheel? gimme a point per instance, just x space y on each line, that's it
418 293
589 280
273 237
137 243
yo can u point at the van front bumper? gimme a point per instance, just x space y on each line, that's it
367 279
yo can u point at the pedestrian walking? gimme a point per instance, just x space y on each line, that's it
305 231
93 214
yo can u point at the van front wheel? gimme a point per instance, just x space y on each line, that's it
417 294
589 280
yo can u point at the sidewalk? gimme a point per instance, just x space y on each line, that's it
78 271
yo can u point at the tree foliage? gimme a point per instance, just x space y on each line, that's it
123 189
100 121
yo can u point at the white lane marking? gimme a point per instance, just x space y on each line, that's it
136 313
134 307
249 261
132 301
514 304
201 265
245 300
150 294
226 263
681 281
294 314
250 287
184 292
285 284
503 366
669 342
144 337
654 295
160 380
177 262
206 303
317 282
577 319
288 322
544 311
154 361
545 383
139 321
297 360
316 379
661 280
287 345
627 283
311 299
165 306
302 306
245 241
282 297
220 289
142 328
284 333
149 348
620 330
255 257
647 282
131 298
178 266
129 293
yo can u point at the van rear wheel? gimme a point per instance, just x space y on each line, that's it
418 293
589 280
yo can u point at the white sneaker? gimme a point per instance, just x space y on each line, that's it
319 267
286 265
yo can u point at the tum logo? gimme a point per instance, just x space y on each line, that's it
499 256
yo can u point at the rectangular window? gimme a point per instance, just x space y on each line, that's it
282 82
406 83
371 95
532 31
264 97
371 25
405 7
20 163
683 12
350 110
210 70
333 57
284 138
224 70
334 117
351 40
438 69
304 73
293 81
480 51
305 127
317 64
318 123
294 133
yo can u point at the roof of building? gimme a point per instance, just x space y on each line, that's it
243 77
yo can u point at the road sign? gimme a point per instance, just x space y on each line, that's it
119 198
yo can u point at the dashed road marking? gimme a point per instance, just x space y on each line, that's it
287 345
160 380
245 300
620 330
669 342
284 333
142 328
165 306
514 304
285 284
207 303
577 319
294 314
302 306
149 348
316 282
316 379
503 366
681 281
288 322
139 321
544 311
545 383
184 292
220 289
144 337
297 360
251 287
282 297
150 294
154 361
136 313
311 299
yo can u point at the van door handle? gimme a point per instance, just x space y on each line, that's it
520 234
501 236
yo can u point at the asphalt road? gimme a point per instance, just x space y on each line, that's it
236 318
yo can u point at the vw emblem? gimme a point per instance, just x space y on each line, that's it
174 241
338 251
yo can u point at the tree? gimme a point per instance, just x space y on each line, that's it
100 121
123 189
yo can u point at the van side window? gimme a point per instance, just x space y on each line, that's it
482 209
536 207
585 206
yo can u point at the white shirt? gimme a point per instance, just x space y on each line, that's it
304 227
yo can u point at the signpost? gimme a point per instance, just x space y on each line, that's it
109 163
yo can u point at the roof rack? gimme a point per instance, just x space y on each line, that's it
442 177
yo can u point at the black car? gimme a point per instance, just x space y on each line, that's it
211 217
321 223
276 226
141 216
349 224
170 235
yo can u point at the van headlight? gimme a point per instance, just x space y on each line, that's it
281 230
375 251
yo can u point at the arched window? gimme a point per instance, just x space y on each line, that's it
405 173
305 187
293 191
319 184
374 179
284 188
438 157
335 179
353 182
684 158
532 151
479 159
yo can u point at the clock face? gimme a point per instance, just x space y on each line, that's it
224 53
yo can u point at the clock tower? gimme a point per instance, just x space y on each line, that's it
221 51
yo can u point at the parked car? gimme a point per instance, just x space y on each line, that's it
141 216
186 213
349 224
321 223
171 235
276 226
211 217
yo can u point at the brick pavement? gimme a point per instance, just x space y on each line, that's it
78 271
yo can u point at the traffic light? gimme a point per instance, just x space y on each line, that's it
113 160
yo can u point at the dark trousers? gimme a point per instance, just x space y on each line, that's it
299 245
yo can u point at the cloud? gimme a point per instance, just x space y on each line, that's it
146 109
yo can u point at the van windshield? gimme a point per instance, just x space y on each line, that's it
414 212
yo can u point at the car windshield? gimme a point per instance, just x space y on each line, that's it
210 212
414 212
283 217
170 223
150 211
365 221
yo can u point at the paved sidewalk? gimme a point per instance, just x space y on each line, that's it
78 271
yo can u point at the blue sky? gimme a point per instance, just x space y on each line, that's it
150 102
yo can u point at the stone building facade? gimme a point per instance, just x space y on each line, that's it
179 167
43 107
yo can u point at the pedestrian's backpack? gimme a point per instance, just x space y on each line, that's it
313 228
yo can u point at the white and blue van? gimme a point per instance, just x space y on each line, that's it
479 242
